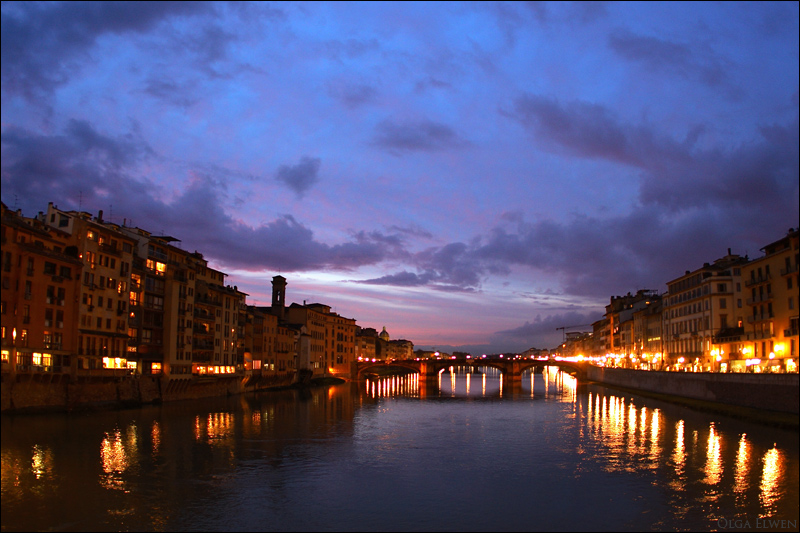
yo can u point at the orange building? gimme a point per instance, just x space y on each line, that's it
105 278
40 277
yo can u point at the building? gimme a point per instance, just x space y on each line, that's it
648 345
703 314
366 340
41 274
107 256
620 336
769 339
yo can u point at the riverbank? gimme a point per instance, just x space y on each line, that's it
770 399
39 393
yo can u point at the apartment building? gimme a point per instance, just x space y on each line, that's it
107 257
769 340
647 334
620 337
704 316
41 272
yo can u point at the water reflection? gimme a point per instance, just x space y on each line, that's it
116 456
770 481
410 450
42 462
713 458
742 467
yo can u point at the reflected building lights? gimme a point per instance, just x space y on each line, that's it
114 461
713 457
742 466
679 455
655 427
770 480
155 437
41 462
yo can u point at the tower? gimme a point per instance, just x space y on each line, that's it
278 296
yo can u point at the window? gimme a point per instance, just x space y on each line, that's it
49 268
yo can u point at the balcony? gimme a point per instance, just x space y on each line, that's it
760 298
108 249
760 317
788 270
760 279
791 332
208 301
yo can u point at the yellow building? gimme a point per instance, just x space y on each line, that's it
771 291
703 314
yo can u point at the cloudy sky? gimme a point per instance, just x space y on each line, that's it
465 174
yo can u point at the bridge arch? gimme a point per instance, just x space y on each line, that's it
510 368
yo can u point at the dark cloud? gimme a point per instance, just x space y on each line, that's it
547 327
81 165
413 231
83 168
44 43
423 136
760 176
572 12
170 91
302 176
400 279
691 62
353 95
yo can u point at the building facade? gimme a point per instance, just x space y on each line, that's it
770 334
703 314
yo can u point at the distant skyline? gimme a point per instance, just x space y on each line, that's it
469 175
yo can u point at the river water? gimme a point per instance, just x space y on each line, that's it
467 454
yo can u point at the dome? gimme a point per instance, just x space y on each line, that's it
384 334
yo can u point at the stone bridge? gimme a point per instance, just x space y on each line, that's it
429 369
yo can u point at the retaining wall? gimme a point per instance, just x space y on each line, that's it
771 392
48 392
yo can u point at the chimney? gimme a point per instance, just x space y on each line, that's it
100 216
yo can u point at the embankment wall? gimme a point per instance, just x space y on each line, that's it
48 392
770 392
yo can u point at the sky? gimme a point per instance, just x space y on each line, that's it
471 176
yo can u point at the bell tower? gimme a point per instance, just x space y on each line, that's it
278 296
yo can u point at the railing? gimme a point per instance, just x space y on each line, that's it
759 317
113 250
759 298
788 270
760 279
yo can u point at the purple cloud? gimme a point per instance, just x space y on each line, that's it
423 136
43 45
302 176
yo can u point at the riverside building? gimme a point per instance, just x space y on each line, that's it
704 313
768 341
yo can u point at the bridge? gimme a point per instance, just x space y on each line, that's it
429 369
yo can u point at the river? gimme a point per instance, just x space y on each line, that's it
468 454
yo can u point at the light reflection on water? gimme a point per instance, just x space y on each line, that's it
391 454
